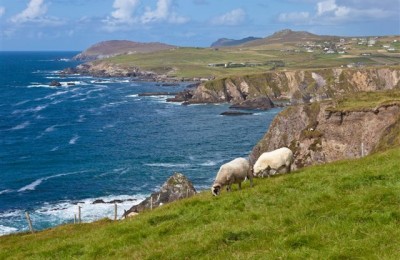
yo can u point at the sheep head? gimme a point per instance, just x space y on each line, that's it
216 189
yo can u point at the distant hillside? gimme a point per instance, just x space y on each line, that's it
224 42
108 49
287 36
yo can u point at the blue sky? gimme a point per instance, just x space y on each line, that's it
77 24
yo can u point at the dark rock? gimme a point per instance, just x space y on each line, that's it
176 187
114 201
99 201
55 83
259 103
183 96
149 94
235 113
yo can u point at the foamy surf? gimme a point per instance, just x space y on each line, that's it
32 186
168 165
21 126
74 139
4 230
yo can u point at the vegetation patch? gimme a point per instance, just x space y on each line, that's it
365 101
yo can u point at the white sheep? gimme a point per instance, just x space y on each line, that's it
273 162
235 171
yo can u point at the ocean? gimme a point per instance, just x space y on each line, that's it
95 138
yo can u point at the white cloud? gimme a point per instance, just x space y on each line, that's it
35 10
159 14
330 12
124 15
326 7
35 13
124 10
234 17
295 17
2 11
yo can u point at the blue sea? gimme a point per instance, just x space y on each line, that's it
95 138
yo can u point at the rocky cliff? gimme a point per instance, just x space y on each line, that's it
321 132
301 86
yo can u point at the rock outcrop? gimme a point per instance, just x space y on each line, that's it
301 86
175 188
318 133
258 103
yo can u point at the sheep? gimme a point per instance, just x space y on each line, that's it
235 171
273 162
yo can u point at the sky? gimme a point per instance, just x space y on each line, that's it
76 24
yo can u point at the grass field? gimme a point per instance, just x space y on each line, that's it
343 210
193 62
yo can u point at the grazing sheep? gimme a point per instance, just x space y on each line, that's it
234 171
273 162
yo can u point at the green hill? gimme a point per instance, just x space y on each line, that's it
344 210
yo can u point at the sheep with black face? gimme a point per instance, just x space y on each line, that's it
235 171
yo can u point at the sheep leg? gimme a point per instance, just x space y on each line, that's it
288 168
228 188
240 185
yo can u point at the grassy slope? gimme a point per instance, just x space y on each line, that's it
367 100
347 209
193 62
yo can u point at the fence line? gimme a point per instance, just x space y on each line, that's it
78 217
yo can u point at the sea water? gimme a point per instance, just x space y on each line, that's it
96 138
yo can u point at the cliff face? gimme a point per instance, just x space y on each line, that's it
316 133
300 86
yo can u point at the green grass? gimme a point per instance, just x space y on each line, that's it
193 62
344 210
360 101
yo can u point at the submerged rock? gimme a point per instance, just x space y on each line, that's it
259 103
235 113
55 83
176 187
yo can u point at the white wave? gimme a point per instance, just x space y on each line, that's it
21 103
65 211
113 104
100 81
40 86
4 230
53 77
64 59
33 109
74 139
133 95
51 128
81 119
211 163
58 93
109 126
121 171
21 126
5 191
33 185
72 83
168 165
55 149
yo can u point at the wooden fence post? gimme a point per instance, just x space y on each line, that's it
74 218
151 203
115 211
28 218
79 215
